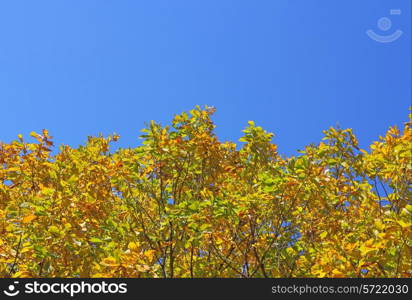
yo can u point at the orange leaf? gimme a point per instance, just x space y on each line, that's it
28 219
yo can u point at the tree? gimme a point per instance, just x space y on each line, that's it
184 204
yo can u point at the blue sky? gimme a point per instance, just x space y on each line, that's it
295 67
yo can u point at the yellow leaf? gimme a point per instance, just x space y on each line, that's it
142 268
404 224
338 274
21 274
365 248
364 152
150 254
54 229
133 246
26 249
350 246
110 262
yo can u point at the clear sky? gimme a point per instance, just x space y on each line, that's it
295 67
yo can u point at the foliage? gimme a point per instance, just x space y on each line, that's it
185 204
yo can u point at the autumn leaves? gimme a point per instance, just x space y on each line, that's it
185 204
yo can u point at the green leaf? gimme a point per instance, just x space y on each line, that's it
95 240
